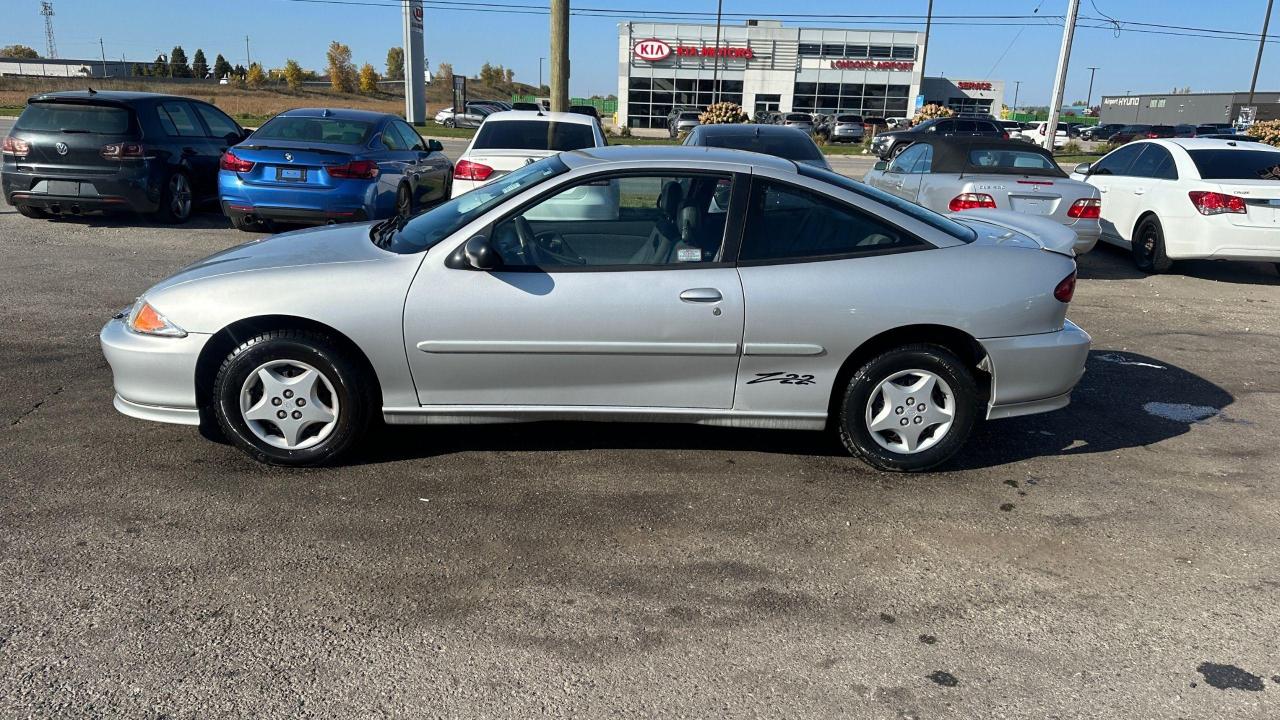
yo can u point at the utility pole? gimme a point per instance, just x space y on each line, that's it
102 49
1262 43
248 60
540 74
1017 86
1088 101
715 73
559 55
924 54
1060 82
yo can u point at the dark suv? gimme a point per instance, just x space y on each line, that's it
888 144
86 151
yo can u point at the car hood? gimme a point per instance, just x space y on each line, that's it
325 245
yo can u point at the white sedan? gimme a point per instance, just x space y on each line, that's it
1189 198
510 140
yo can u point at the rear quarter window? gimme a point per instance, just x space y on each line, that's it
60 117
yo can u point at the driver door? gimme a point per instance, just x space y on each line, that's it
615 291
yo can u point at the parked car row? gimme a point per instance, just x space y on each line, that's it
76 152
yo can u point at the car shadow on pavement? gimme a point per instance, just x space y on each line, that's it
1124 400
1109 262
201 219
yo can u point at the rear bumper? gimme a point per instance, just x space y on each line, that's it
300 216
154 377
1035 373
1087 234
129 190
343 202
466 186
1217 238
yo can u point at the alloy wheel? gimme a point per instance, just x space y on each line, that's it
179 196
910 411
289 404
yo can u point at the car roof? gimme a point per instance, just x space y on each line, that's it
336 113
113 95
740 129
563 117
1211 143
669 153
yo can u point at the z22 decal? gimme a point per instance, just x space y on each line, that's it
782 378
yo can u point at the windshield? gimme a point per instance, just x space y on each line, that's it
689 116
799 118
793 145
848 119
429 228
534 135
68 117
1237 164
315 129
917 212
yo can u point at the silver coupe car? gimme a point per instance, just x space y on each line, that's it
722 287
956 174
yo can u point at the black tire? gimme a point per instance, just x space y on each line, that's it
1148 247
351 390
172 210
857 436
404 202
34 213
449 122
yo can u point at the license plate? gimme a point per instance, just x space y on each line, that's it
63 187
1033 206
295 174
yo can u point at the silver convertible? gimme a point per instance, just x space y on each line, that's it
719 287
957 174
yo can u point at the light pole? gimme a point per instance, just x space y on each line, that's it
1088 101
1017 86
540 74
1060 82
1262 43
715 74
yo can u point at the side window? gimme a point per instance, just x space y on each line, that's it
945 126
925 162
966 126
391 138
220 126
177 119
1154 162
791 223
631 220
409 136
1118 162
906 159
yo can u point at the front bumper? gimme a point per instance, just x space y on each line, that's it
130 189
1035 373
154 377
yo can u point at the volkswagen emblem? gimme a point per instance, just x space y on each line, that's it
61 148
288 156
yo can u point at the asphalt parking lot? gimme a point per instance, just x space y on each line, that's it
1117 559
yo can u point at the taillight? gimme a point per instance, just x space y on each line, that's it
15 146
1066 289
1086 209
234 163
123 151
1151 135
1212 203
970 201
354 170
467 170
1005 134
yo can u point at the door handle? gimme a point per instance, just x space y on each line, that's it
701 295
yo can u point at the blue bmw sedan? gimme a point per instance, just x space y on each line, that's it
324 165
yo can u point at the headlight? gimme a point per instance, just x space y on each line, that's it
145 320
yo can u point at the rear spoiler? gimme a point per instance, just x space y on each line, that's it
1050 235
294 148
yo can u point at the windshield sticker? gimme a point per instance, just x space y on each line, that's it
689 255
1272 174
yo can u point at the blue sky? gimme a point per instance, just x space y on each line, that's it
280 29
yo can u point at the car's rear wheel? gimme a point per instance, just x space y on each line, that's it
291 397
909 409
176 199
449 122
1148 247
31 212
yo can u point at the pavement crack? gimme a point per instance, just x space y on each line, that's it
35 407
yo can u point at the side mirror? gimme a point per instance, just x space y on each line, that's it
882 165
1083 168
435 146
475 254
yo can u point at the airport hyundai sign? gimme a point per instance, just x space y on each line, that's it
652 50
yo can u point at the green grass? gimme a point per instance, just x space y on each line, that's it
1079 158
10 111
432 129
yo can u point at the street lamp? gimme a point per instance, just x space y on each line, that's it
540 73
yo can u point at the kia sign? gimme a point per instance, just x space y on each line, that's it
652 50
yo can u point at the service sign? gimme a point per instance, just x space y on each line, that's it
972 85
652 50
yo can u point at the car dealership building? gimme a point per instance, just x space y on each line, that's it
1186 108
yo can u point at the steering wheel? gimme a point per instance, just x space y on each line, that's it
528 243
538 253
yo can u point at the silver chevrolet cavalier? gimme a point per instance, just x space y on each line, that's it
704 285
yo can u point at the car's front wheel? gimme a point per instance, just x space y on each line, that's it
291 397
449 122
909 409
